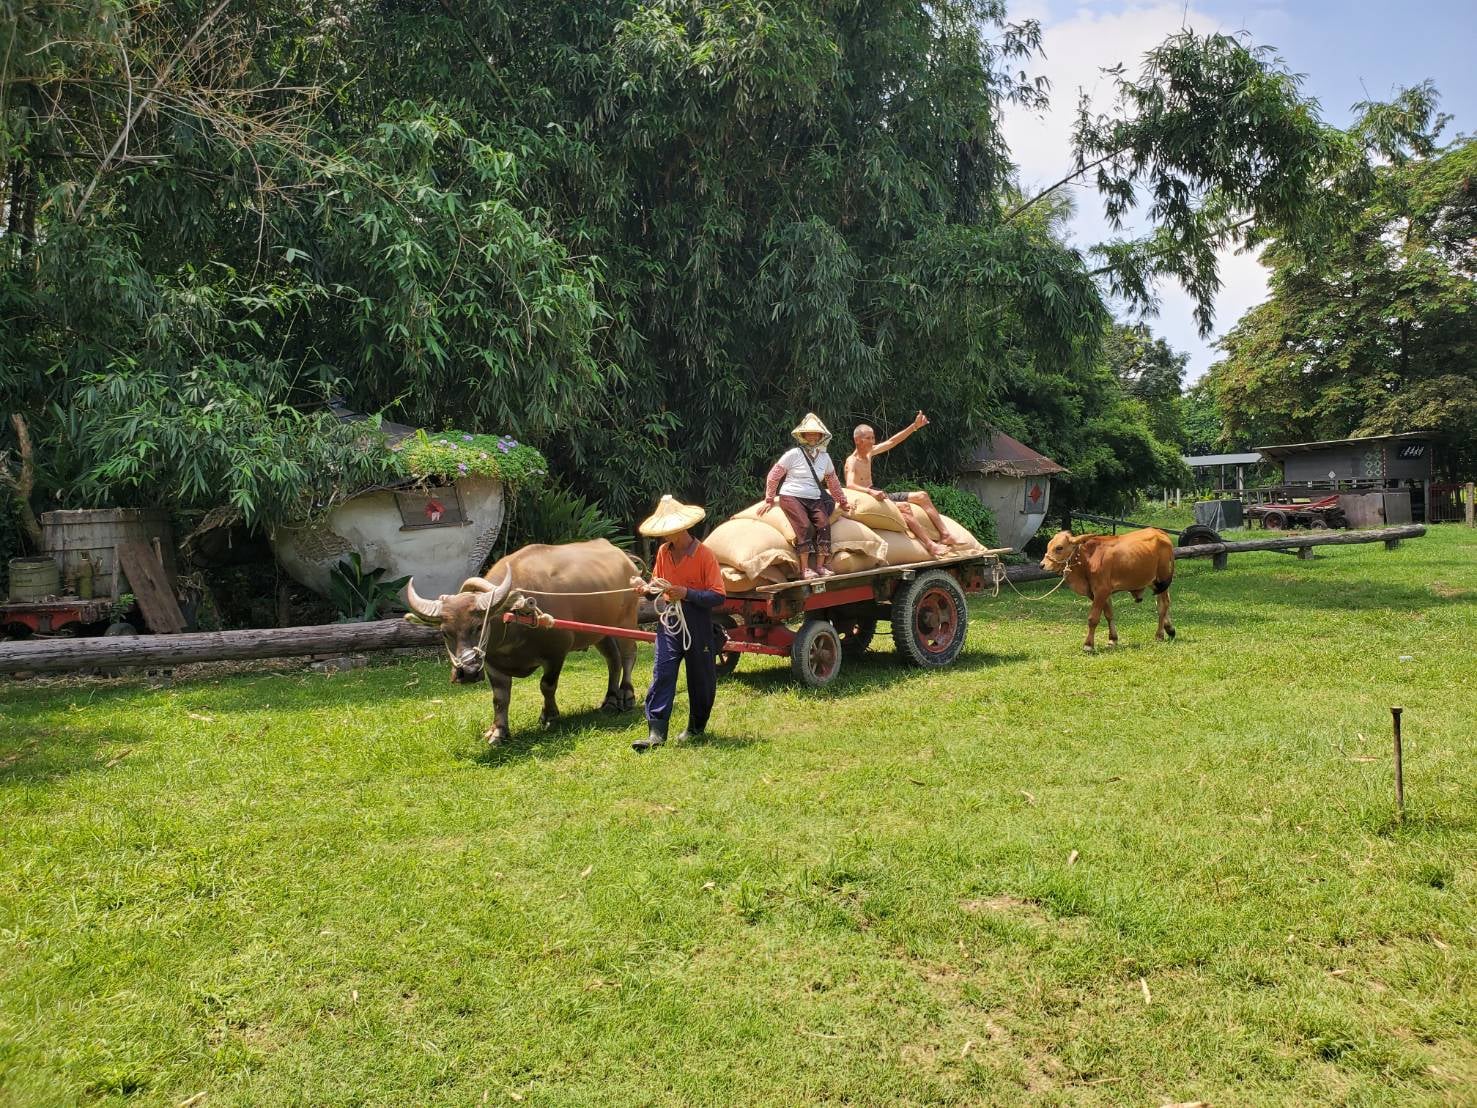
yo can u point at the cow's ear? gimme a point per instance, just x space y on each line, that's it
1078 540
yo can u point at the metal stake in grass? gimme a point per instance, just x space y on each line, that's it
1399 768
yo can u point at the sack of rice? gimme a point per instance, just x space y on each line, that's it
965 543
735 581
849 562
851 537
880 515
904 550
749 547
776 519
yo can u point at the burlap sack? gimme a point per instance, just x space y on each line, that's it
968 543
903 550
879 515
749 548
776 519
736 582
848 536
849 562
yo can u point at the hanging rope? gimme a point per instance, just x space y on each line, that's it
1000 575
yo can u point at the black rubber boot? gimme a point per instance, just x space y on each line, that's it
655 737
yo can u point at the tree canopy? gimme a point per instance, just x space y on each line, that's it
643 237
1371 325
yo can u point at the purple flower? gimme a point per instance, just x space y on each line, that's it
503 447
461 467
466 438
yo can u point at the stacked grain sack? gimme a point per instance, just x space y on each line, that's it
757 547
886 518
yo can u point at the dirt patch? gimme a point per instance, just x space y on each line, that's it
1450 592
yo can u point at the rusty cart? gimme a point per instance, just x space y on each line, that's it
1324 512
819 623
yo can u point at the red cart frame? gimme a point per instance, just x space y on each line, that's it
837 616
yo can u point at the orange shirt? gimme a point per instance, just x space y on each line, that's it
697 569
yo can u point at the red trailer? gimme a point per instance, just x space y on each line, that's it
1324 512
816 624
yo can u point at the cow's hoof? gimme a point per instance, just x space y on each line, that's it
1087 648
610 704
1170 631
495 736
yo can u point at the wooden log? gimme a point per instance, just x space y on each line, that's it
1293 542
1471 499
57 655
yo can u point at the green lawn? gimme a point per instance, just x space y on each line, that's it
1166 872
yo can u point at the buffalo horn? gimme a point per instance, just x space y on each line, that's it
498 596
429 610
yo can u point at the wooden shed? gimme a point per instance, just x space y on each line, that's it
1395 468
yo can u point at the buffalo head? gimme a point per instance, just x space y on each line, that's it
466 619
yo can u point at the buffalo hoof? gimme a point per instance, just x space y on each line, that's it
548 719
611 703
627 699
496 735
1087 648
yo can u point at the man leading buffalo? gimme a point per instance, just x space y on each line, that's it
688 580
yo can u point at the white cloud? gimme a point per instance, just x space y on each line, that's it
1079 41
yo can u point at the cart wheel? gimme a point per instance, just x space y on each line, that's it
815 655
856 634
725 661
930 619
1274 521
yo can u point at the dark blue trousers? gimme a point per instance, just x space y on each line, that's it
702 672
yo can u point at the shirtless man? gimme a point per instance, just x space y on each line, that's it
859 477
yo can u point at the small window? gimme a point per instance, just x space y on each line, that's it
422 508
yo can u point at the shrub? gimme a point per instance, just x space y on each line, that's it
547 512
960 506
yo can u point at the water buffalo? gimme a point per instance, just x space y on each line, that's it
478 641
1097 566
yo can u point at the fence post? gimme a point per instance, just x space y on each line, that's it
1471 503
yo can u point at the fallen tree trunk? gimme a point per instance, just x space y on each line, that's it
1390 536
51 655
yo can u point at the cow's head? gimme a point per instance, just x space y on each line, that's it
1062 551
466 619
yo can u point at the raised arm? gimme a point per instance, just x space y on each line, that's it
919 421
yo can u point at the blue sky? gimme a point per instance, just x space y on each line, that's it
1351 51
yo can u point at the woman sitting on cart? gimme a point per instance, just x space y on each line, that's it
805 485
693 587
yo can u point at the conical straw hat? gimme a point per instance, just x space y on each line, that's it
812 424
671 516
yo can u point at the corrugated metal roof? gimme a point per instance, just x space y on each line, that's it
1307 447
1001 454
1201 461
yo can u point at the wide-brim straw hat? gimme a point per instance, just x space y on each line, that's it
812 425
671 516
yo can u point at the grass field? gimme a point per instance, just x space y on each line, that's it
1167 872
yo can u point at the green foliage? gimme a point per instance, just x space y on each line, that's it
1152 373
645 237
361 596
453 454
548 512
960 506
1372 324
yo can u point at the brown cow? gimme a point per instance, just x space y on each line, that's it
1097 566
585 581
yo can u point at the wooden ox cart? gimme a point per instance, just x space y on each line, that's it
817 624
